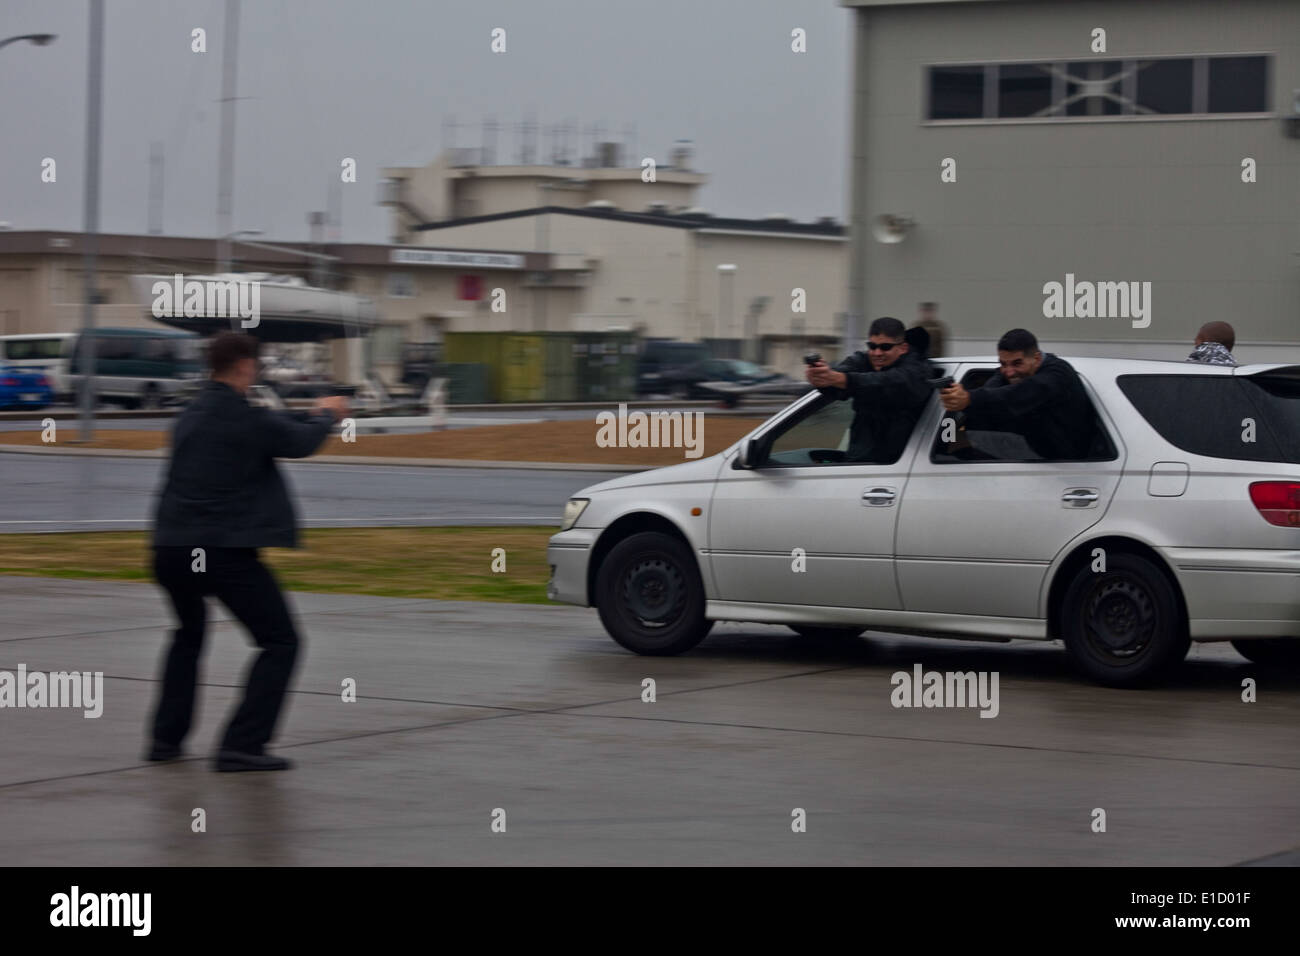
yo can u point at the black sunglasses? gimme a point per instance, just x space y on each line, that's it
885 347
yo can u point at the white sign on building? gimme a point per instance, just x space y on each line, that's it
436 257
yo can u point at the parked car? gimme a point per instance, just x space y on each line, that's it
24 387
48 352
1182 523
138 368
732 380
660 360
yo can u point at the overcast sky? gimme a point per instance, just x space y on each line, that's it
375 80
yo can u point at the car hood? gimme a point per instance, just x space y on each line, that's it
703 469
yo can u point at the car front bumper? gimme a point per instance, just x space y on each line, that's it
568 554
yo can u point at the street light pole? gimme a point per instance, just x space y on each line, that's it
225 175
94 107
727 271
40 39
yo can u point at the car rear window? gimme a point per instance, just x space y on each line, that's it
1222 416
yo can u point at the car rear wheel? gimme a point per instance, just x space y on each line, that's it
650 595
819 633
150 397
1280 652
1123 626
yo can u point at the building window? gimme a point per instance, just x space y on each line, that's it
1238 84
1024 90
1164 86
1055 91
401 285
956 92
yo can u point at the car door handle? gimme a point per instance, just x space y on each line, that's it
1080 496
879 496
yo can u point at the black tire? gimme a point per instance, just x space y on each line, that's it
1280 652
150 397
650 595
816 632
1123 626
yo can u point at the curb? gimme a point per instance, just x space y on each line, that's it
349 460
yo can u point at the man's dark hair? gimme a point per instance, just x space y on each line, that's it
227 348
1018 340
886 326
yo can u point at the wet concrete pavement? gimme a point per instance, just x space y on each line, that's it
464 708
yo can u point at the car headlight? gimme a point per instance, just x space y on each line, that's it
573 509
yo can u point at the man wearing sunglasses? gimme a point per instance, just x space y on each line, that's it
889 385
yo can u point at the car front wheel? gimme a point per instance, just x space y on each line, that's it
650 595
1122 626
1279 652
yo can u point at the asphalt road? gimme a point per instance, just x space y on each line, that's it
92 493
466 710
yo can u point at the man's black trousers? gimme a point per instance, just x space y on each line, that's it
247 588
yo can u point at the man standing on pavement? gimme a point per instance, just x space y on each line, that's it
889 387
223 498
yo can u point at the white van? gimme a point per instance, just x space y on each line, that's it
49 351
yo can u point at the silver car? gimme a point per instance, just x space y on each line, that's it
1182 523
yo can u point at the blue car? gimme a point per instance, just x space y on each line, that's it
24 388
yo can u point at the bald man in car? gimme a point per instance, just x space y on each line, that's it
1213 345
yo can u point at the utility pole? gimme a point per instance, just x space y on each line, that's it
225 185
94 107
155 188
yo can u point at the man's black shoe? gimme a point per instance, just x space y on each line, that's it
161 751
234 760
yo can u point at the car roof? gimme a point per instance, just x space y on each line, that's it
1097 365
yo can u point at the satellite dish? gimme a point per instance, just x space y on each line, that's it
890 229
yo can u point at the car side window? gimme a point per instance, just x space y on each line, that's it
954 443
818 438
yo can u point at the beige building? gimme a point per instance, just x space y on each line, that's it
547 248
624 253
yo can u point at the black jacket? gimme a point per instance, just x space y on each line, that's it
886 404
1049 409
223 489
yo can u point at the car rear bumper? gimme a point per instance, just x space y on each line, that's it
568 555
1235 593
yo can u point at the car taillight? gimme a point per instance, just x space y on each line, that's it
9 381
1277 501
42 381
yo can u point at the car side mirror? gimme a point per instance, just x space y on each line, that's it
747 455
